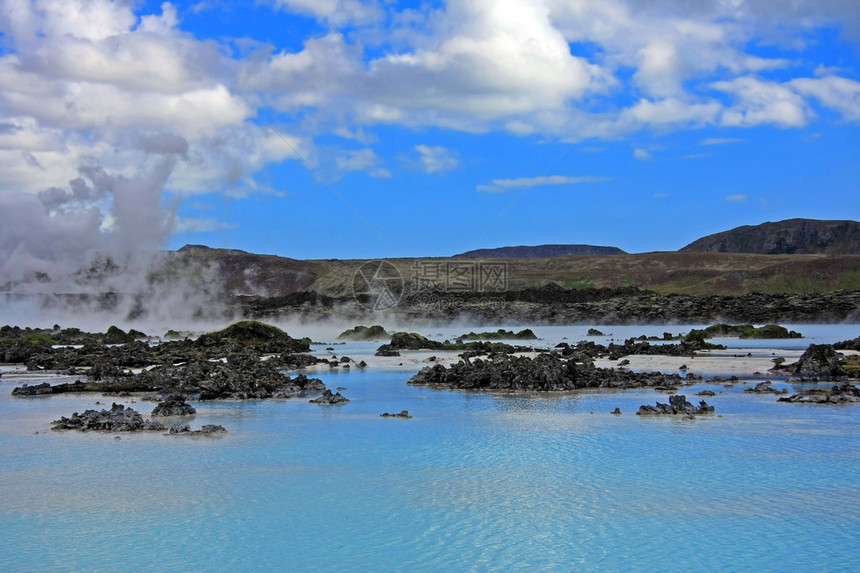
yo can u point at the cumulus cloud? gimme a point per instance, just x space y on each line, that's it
104 112
642 154
434 159
335 12
840 94
763 102
499 185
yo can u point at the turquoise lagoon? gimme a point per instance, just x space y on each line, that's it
473 482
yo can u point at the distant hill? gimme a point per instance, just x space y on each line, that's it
789 237
523 252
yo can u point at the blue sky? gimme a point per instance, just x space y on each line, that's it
351 129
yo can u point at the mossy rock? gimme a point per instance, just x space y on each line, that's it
500 334
360 332
851 365
116 335
771 331
251 333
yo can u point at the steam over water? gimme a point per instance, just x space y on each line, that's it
472 482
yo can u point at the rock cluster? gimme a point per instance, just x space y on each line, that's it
329 398
819 363
545 372
844 393
403 414
117 419
173 405
236 379
765 388
677 406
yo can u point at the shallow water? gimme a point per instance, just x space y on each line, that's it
473 482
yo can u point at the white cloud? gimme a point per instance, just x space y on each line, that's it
499 185
335 12
669 111
642 154
841 94
720 140
89 85
357 160
738 198
763 102
362 160
434 159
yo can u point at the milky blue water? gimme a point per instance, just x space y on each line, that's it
473 482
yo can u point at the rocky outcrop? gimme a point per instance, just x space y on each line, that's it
792 236
500 334
117 419
116 335
768 331
173 405
844 393
329 398
546 372
412 341
677 406
853 344
819 363
263 337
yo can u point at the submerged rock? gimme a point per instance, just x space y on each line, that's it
765 388
402 414
677 406
206 429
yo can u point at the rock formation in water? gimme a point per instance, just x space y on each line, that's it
173 405
819 363
677 406
844 393
545 372
329 398
117 419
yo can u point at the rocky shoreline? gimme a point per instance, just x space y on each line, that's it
556 305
